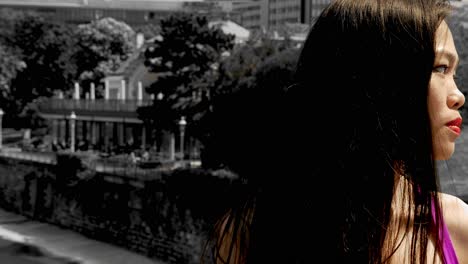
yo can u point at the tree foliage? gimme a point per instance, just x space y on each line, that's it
40 57
239 69
37 55
101 47
186 50
248 84
45 50
276 72
10 64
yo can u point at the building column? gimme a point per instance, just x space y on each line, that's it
106 129
55 128
106 89
123 91
94 131
76 95
171 146
129 131
79 131
63 131
101 135
140 93
72 131
121 133
86 131
92 91
182 124
143 136
1 128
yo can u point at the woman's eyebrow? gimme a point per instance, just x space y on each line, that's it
452 57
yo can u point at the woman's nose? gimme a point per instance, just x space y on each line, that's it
456 99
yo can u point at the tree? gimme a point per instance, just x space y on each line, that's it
40 57
186 50
276 72
8 18
101 47
249 84
149 30
10 65
41 51
237 70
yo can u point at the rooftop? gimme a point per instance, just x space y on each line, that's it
163 5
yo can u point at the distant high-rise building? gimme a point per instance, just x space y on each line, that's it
312 9
251 14
284 11
132 12
271 14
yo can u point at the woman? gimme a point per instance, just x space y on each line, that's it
373 107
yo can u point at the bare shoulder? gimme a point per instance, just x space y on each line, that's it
456 217
454 209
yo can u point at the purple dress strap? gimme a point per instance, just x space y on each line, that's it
447 246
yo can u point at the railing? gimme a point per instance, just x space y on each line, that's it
125 166
142 171
111 105
51 2
128 170
46 158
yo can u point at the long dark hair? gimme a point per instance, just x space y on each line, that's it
356 117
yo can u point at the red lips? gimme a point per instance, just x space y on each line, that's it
456 122
455 125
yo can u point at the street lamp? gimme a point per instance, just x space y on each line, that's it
160 96
182 124
1 127
157 133
72 131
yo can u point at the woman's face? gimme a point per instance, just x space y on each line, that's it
444 98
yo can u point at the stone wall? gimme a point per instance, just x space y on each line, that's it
166 218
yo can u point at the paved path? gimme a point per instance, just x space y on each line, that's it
20 253
63 243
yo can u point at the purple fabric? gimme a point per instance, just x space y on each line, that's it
447 246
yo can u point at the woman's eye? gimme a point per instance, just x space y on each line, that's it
441 69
